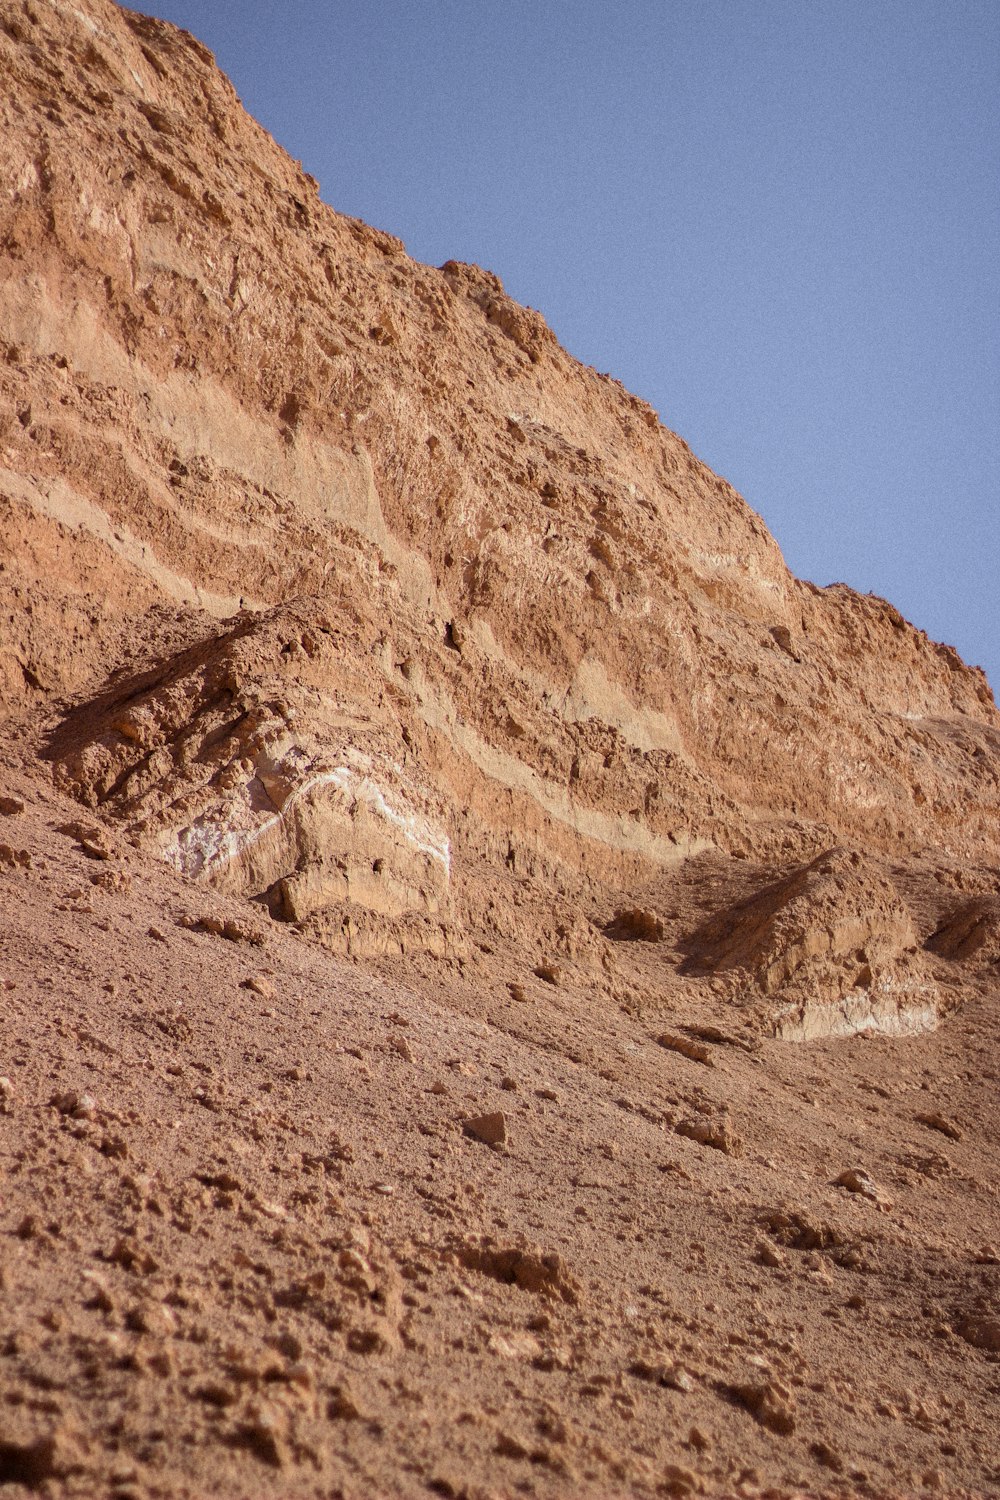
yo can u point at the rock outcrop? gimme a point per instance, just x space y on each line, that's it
827 951
474 606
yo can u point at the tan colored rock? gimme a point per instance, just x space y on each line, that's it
970 932
491 1129
717 1133
770 1400
696 1051
935 1120
855 1180
635 924
983 1332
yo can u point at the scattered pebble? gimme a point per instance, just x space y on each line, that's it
856 1180
78 1106
937 1121
258 984
696 1051
491 1129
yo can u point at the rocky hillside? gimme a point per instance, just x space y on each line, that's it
334 589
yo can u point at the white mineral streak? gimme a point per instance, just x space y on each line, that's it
210 843
890 1008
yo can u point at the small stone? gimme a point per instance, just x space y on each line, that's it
855 1180
509 1085
96 847
714 1133
696 1051
10 805
827 1456
770 1402
516 1345
490 1129
7 1093
551 973
768 1255
679 1482
258 984
437 1087
342 1405
937 1121
15 859
635 924
981 1333
215 1393
659 1372
77 1106
261 1436
152 1318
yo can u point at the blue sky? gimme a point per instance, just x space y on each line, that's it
776 220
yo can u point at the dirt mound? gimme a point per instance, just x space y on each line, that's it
830 950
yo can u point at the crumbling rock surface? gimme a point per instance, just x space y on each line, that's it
829 950
410 748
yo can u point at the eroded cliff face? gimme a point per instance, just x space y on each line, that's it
499 979
364 598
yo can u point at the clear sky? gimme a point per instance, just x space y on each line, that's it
776 220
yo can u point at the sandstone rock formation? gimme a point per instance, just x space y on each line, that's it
831 946
554 642
346 616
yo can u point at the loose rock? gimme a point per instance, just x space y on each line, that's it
490 1129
